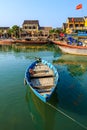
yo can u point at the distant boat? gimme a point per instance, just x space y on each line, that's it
42 77
31 42
78 49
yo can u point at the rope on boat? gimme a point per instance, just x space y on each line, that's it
83 126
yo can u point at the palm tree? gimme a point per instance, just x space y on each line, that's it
10 32
15 30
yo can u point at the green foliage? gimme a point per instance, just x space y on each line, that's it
10 32
14 31
52 31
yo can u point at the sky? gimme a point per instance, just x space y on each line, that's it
52 13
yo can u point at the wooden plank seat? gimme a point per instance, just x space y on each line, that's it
42 82
43 90
42 73
41 70
43 87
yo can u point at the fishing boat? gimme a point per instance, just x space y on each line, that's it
71 48
42 78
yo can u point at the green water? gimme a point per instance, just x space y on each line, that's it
20 109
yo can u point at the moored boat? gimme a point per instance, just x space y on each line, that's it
31 42
42 77
71 49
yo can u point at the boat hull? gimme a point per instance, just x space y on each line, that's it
72 49
43 98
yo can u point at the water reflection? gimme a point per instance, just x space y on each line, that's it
43 116
72 85
72 90
50 116
26 48
76 65
72 93
5 48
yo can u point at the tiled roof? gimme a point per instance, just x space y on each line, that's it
85 16
31 22
65 24
4 28
45 28
76 19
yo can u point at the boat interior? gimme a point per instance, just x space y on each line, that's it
42 78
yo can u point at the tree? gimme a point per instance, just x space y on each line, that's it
10 32
15 31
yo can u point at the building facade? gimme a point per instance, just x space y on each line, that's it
4 32
32 28
75 24
45 30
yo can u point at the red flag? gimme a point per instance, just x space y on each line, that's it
79 6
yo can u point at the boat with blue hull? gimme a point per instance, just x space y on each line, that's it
42 78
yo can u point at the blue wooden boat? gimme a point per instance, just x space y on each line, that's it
42 77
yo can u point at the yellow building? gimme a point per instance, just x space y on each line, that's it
75 24
85 21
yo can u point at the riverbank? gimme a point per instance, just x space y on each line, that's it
12 41
7 41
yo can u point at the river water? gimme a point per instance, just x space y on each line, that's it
20 109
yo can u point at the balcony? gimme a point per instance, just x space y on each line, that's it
80 28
